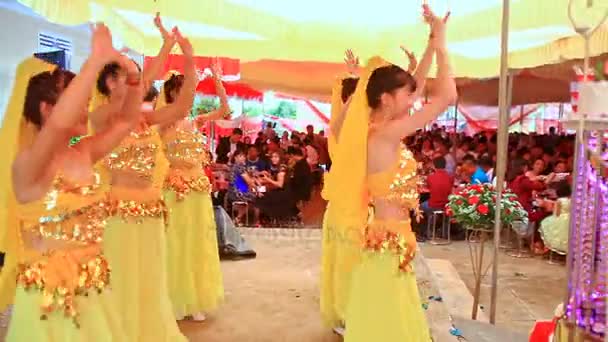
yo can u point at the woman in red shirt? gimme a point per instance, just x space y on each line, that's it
524 187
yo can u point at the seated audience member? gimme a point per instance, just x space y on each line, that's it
476 175
243 186
285 141
440 184
300 177
274 145
261 139
487 165
254 162
463 150
444 150
228 145
277 201
537 171
524 188
555 228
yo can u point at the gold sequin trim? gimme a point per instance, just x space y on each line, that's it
138 211
92 275
386 241
85 225
404 188
188 147
182 186
140 159
62 186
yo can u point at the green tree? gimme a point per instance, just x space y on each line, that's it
284 109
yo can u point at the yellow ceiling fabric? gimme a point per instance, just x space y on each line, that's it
65 12
320 31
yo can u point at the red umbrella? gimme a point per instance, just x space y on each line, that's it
230 66
240 90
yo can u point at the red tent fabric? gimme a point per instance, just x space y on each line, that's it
230 66
240 90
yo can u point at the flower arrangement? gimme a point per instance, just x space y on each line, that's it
474 206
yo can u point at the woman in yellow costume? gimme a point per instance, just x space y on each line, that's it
332 311
195 278
339 256
135 240
383 282
53 231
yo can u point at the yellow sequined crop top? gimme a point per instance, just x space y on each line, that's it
399 184
62 256
140 155
185 147
69 212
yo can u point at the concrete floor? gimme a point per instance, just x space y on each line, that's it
528 289
275 297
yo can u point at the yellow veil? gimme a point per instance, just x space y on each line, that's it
162 99
348 189
336 108
16 134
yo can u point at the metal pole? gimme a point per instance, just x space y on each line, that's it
502 142
521 117
560 115
456 118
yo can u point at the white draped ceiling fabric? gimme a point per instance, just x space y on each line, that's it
296 46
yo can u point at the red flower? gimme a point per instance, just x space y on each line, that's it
448 211
473 200
477 188
483 209
459 202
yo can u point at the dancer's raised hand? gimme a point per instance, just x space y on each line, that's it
352 61
216 68
437 24
412 59
184 43
161 28
101 44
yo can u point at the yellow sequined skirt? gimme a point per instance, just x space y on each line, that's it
340 253
99 320
135 245
193 263
61 299
384 302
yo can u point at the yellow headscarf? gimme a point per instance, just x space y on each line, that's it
16 134
348 189
162 98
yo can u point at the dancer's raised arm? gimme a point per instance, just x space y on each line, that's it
154 68
183 103
343 92
224 109
444 91
56 121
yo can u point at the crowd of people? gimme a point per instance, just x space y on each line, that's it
538 172
273 176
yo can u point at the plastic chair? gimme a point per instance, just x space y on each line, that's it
240 204
522 232
431 228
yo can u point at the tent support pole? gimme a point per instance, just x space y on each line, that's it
502 142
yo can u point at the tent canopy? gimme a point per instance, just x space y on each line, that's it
297 46
320 30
